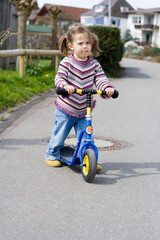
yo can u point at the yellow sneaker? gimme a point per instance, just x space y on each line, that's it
55 163
99 168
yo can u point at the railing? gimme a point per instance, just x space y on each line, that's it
147 26
29 52
144 43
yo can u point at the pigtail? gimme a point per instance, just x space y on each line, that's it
63 46
95 45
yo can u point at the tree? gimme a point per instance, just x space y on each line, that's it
53 12
127 36
24 9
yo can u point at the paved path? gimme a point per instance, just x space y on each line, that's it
44 203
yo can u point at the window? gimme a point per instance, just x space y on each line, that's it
99 8
118 22
115 22
149 20
134 20
100 20
137 20
124 9
89 21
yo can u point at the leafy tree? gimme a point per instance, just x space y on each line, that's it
127 36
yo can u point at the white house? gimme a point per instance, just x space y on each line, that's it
113 15
144 25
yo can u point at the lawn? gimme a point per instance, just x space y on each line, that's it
15 90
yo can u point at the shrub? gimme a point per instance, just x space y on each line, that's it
151 51
111 46
158 59
33 70
148 51
156 51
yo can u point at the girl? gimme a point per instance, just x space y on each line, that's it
78 70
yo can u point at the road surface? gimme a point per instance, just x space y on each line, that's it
122 203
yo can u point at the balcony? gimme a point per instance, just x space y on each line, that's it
146 27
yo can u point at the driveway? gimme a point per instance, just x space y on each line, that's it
122 203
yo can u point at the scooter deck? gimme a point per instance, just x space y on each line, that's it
67 153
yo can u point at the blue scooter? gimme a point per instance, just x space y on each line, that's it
86 154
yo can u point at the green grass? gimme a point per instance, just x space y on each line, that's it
16 90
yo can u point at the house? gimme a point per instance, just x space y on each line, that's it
38 37
108 13
39 32
68 17
144 25
32 17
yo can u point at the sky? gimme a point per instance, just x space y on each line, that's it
89 4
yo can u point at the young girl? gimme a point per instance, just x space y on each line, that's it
78 70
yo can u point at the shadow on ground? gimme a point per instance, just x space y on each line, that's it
133 72
114 172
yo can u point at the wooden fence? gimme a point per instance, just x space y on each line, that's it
29 52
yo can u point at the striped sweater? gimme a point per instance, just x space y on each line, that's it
82 75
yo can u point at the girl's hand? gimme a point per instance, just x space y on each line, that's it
109 91
69 89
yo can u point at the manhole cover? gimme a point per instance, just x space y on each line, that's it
103 144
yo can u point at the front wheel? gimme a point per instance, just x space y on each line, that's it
89 165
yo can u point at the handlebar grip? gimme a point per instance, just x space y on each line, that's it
61 91
115 94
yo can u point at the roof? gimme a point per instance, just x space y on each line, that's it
105 3
115 6
33 14
38 28
149 10
67 13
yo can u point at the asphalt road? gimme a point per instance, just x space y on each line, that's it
122 203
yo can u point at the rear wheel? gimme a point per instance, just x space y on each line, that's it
89 165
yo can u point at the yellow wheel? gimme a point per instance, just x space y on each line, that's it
89 165
85 165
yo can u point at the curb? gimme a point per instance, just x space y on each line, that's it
21 112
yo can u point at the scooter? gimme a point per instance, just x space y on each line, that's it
86 154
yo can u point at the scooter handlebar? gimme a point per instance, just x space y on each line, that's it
63 92
115 94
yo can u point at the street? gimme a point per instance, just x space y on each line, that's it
122 203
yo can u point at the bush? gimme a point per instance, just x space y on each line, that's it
158 59
156 51
148 51
151 51
111 46
33 70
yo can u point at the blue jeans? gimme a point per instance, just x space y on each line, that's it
63 125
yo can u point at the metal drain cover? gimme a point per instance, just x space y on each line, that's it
98 142
103 144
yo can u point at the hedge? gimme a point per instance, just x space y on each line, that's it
111 46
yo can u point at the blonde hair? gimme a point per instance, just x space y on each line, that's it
64 40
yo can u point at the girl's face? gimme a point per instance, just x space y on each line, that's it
81 46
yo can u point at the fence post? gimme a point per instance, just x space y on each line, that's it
22 66
56 63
